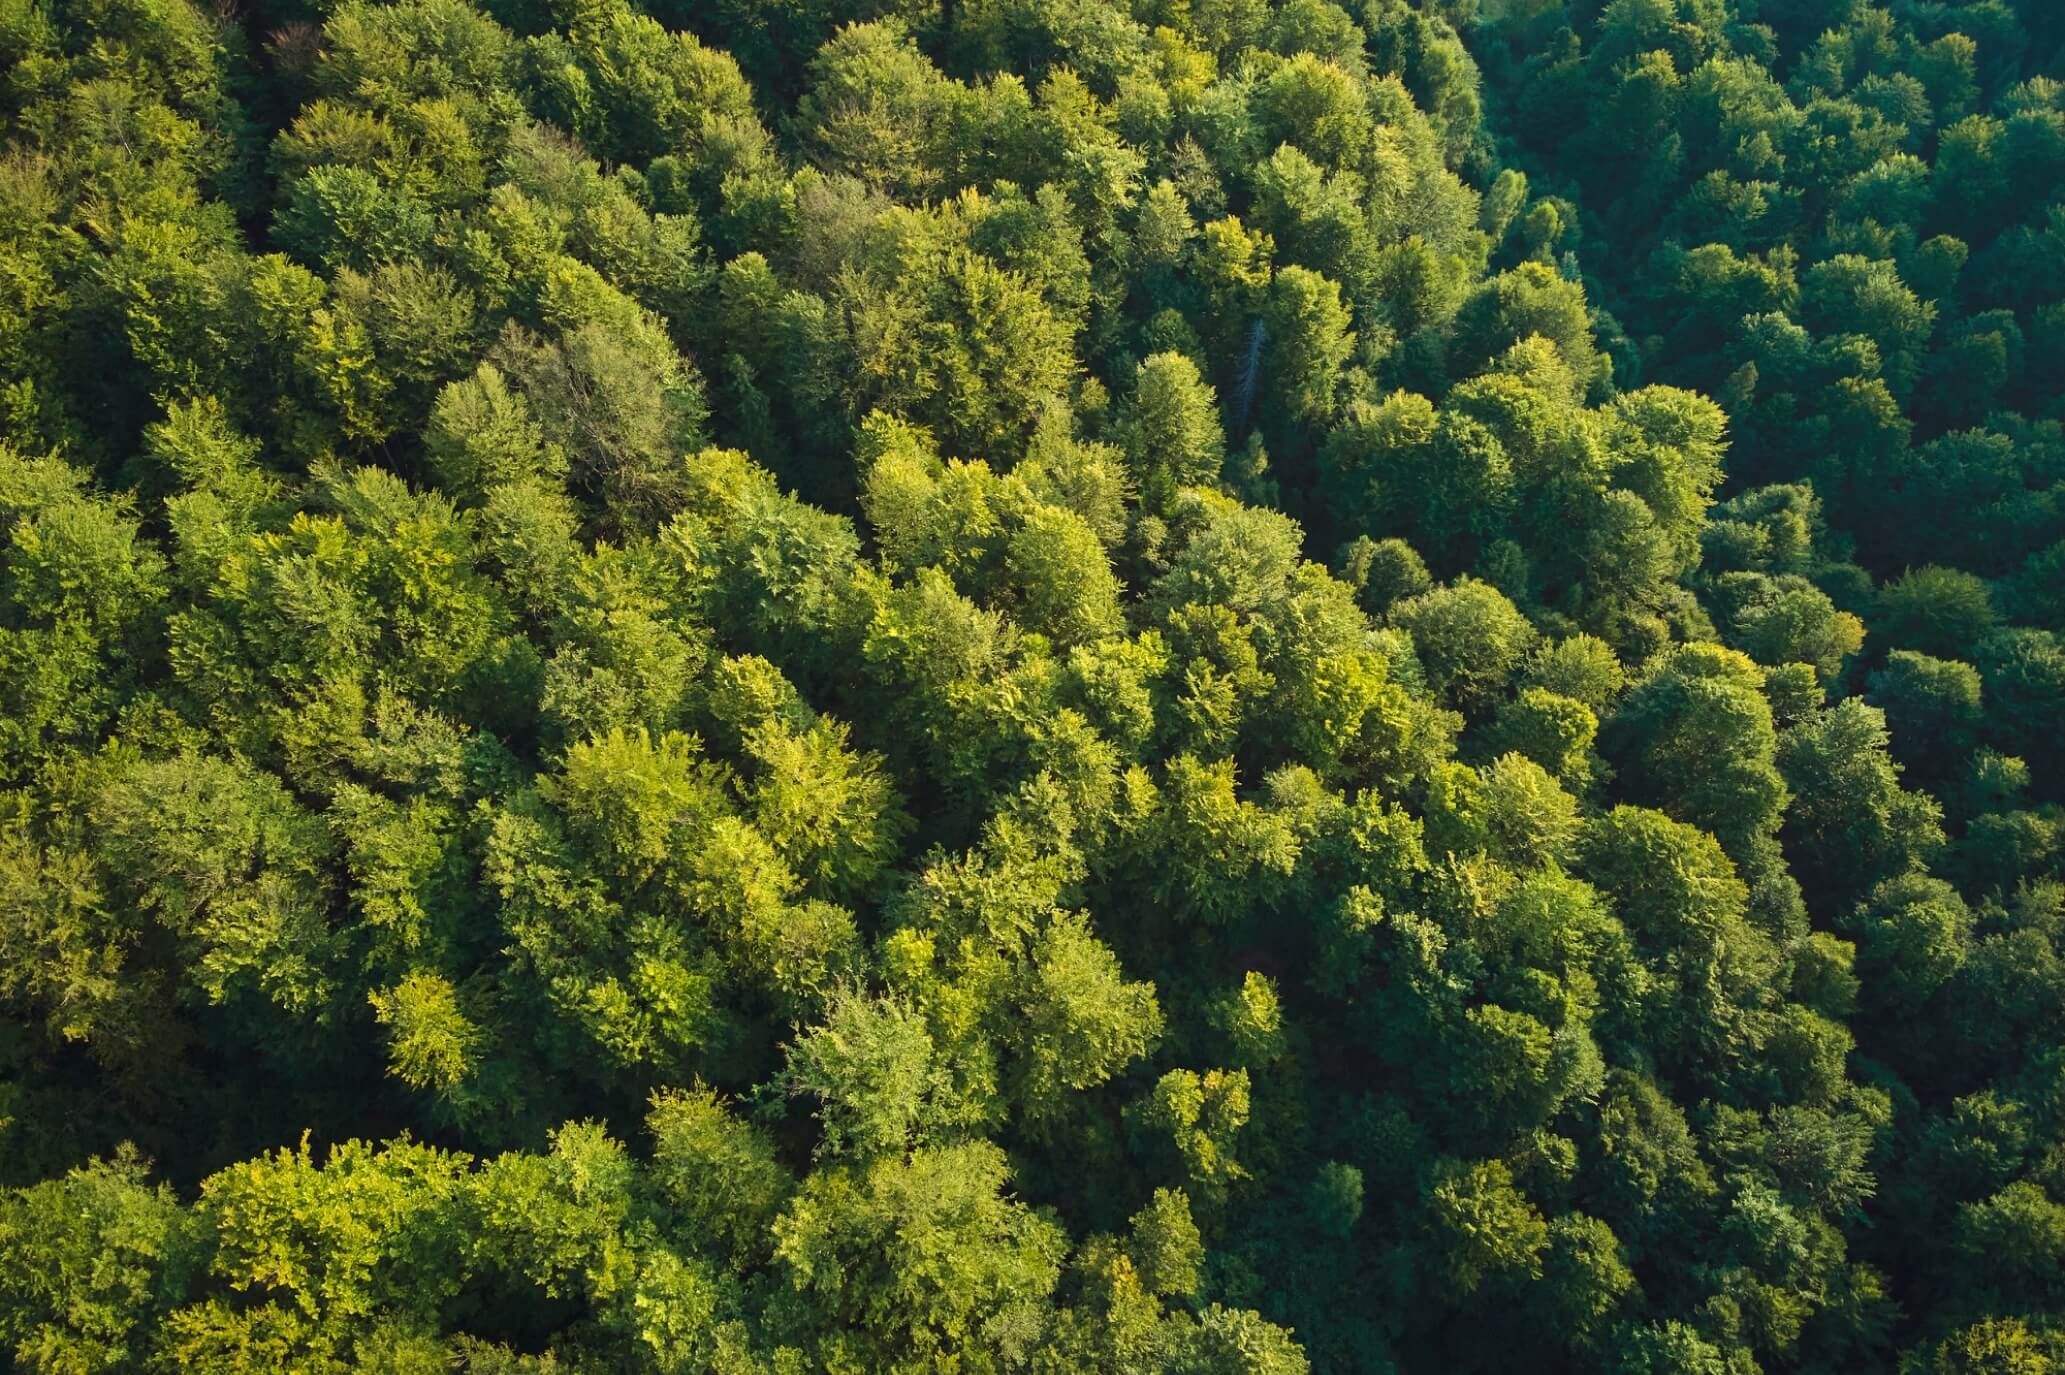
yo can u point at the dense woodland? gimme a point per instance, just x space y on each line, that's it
1199 686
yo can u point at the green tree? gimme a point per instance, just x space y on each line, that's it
1480 1227
906 1261
1470 638
1696 737
97 1259
872 1070
1171 424
1084 1020
1938 611
1850 822
1309 340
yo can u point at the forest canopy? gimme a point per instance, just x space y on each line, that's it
1211 687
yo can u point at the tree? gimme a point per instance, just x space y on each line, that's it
1850 820
1687 909
481 434
367 1234
1528 818
1696 736
2003 1344
1787 621
1225 1342
1069 590
1085 1021
229 867
1849 294
84 596
1912 934
1554 731
878 111
1199 1116
1471 639
1584 1275
966 347
1309 340
719 1173
1165 1244
434 1044
1670 445
633 90
2015 1239
830 810
1383 572
1932 707
623 414
870 1067
1581 667
1937 611
1529 300
905 1260
1480 1227
98 1257
1171 424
